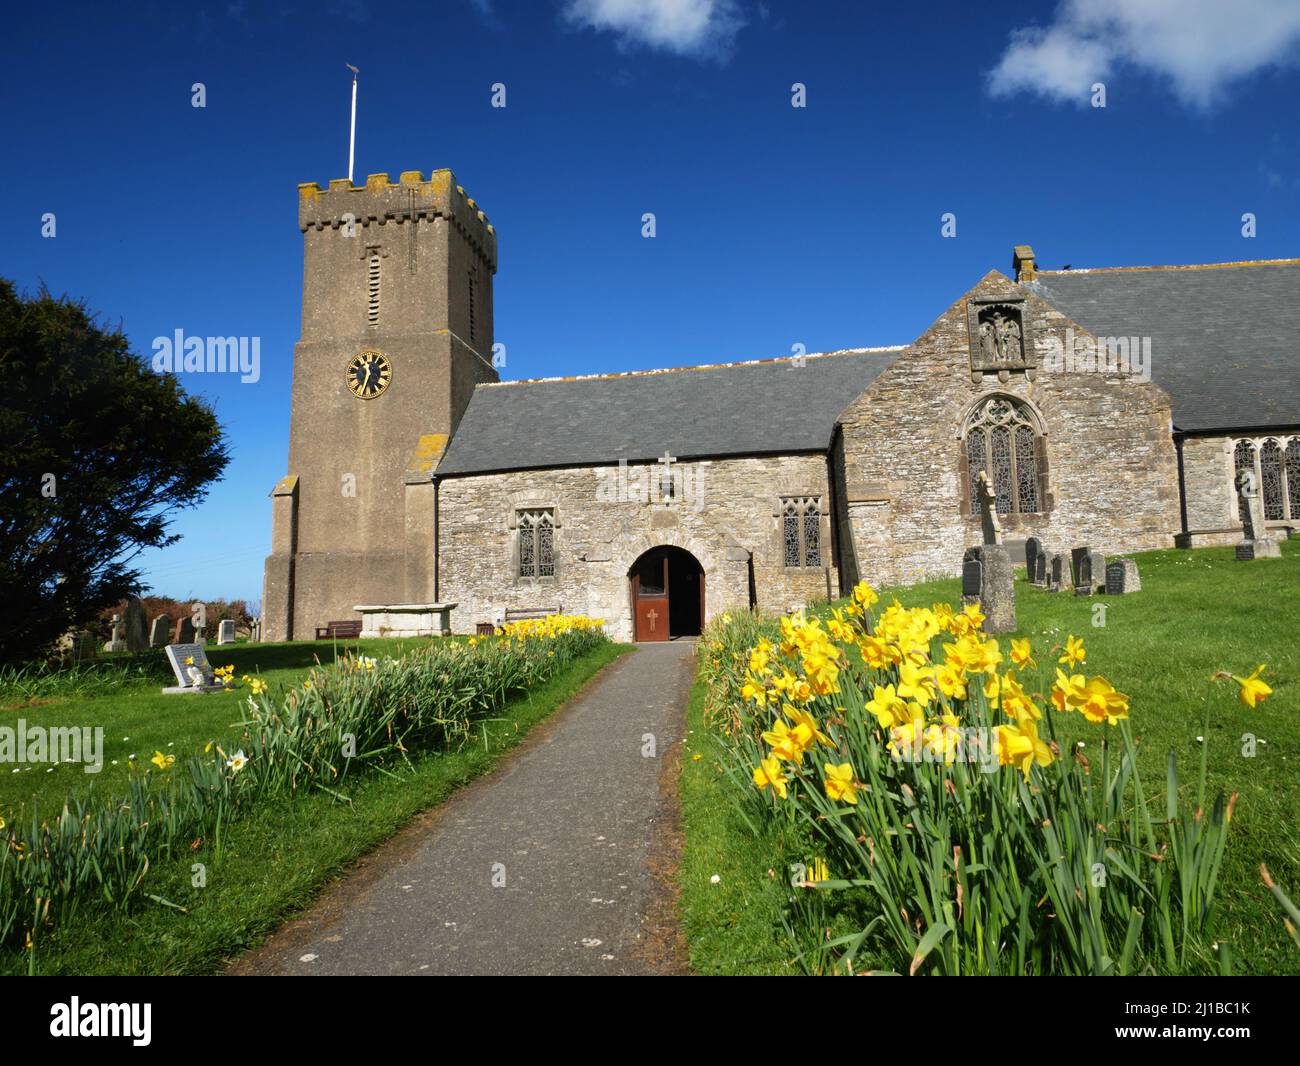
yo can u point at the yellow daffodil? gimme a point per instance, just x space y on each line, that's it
1016 703
840 784
864 595
951 681
1069 691
1074 651
769 773
1102 703
889 708
916 683
788 744
1252 688
162 761
803 720
1020 746
1021 653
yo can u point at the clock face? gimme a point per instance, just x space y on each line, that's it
369 373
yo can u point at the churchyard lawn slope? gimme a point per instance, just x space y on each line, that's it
271 860
1199 612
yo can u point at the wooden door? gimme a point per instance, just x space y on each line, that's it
650 596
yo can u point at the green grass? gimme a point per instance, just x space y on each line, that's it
274 861
123 695
1198 612
730 925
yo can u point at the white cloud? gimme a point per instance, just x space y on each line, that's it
686 27
1199 47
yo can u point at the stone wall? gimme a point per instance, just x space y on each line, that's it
1110 472
1211 506
726 516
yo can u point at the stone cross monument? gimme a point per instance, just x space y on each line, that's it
992 529
987 576
1255 544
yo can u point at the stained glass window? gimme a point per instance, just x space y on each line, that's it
1270 469
537 543
1026 471
1243 458
1002 442
801 532
1293 477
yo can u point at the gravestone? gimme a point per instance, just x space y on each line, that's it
1256 543
189 662
1122 577
988 578
83 646
159 631
137 627
184 632
226 631
1039 576
1059 578
1097 571
1033 552
255 631
115 642
1077 556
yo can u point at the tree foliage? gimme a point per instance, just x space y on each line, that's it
97 452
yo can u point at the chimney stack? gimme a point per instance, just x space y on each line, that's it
1022 263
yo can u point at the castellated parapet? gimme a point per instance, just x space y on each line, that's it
410 199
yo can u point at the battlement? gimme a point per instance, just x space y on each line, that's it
410 199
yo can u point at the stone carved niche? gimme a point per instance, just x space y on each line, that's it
998 344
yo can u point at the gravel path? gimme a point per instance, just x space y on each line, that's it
558 862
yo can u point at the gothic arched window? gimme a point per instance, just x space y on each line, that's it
801 530
537 543
1002 440
1270 487
1293 476
1275 464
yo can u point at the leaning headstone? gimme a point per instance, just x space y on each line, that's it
189 662
226 631
116 642
1122 577
1033 552
988 578
1255 543
137 626
159 631
184 632
1059 578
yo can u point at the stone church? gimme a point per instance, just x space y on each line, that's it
1109 407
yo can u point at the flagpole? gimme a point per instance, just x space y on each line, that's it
352 134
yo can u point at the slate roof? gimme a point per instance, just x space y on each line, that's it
765 407
1225 339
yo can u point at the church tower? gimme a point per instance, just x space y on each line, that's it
396 333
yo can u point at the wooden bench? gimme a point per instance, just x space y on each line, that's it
525 613
339 631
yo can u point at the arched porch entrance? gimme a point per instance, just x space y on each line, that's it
667 590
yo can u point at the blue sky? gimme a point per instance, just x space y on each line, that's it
776 226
